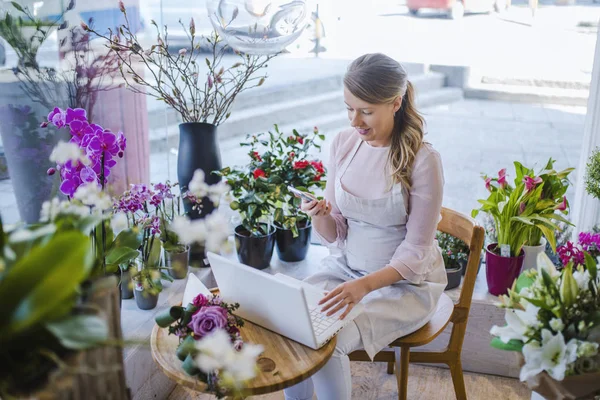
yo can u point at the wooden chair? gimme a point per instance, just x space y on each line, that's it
469 231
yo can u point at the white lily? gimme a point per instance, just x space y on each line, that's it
532 352
518 323
582 279
556 355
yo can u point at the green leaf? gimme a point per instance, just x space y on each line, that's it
189 366
512 345
79 332
169 316
278 215
154 257
131 238
523 281
590 264
42 281
17 6
121 255
186 348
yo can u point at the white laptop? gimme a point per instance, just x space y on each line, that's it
279 303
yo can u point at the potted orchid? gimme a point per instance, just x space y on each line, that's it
552 322
201 90
517 212
287 160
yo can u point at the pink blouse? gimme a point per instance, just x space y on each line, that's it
367 176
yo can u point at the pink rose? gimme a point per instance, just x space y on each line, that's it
207 320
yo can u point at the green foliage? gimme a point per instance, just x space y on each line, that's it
592 174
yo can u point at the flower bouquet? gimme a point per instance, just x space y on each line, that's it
553 322
522 212
210 344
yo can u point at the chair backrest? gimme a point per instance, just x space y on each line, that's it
469 231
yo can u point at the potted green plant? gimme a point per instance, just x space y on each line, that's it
516 210
288 161
552 199
253 191
455 253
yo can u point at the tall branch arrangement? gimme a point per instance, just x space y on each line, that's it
197 93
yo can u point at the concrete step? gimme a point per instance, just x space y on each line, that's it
317 102
527 94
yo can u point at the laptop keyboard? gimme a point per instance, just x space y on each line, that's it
321 321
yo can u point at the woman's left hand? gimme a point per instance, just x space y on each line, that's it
348 294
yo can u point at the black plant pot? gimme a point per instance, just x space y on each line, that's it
255 251
198 149
463 265
290 248
454 275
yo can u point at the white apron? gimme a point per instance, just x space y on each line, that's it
376 227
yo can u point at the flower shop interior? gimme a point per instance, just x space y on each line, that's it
150 150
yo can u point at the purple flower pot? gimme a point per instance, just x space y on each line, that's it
501 272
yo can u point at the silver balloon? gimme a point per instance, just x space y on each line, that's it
258 26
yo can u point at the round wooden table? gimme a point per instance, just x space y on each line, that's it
283 363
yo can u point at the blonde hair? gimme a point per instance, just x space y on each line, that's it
379 79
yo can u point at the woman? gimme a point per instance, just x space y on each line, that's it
379 217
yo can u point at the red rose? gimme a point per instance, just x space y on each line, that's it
291 156
317 178
301 164
258 173
256 156
292 138
300 139
318 166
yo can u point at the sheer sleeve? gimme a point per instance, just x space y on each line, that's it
416 255
341 223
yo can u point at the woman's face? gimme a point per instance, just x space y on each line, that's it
374 122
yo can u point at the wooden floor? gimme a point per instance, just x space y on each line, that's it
370 382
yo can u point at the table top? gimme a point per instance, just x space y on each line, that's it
283 363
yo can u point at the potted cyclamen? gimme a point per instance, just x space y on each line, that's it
253 190
455 253
287 161
515 210
201 90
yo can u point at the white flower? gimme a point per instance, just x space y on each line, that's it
65 151
518 323
582 279
49 210
217 353
189 231
197 185
556 355
215 192
217 229
91 194
549 268
532 352
119 222
182 51
587 349
557 325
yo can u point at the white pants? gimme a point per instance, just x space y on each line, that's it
333 381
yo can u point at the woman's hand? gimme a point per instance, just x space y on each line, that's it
348 294
316 208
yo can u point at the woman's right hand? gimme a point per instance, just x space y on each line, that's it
316 208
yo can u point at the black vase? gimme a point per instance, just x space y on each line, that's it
454 275
198 149
290 248
255 251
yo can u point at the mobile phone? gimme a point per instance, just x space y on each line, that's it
303 195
